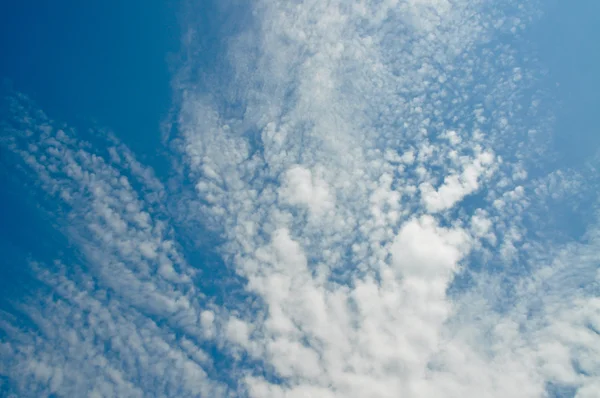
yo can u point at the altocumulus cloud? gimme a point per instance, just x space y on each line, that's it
364 167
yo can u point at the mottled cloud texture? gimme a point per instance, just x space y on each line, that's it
363 171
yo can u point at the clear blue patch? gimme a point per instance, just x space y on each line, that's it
567 44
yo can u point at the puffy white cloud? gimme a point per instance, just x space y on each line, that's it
456 186
300 187
426 251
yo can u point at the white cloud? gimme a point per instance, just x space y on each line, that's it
300 187
376 120
426 251
98 333
457 186
374 110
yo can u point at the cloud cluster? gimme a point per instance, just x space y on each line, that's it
108 325
365 168
377 122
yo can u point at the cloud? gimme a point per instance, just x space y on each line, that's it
358 162
299 187
382 112
456 186
107 327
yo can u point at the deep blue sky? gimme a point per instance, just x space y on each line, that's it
103 61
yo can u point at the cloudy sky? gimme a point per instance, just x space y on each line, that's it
370 199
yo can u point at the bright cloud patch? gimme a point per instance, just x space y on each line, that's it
300 187
456 186
361 170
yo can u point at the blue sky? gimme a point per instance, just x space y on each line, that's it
341 199
104 61
565 43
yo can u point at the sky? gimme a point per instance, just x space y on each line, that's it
392 198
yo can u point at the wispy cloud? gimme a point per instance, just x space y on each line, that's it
108 326
357 162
